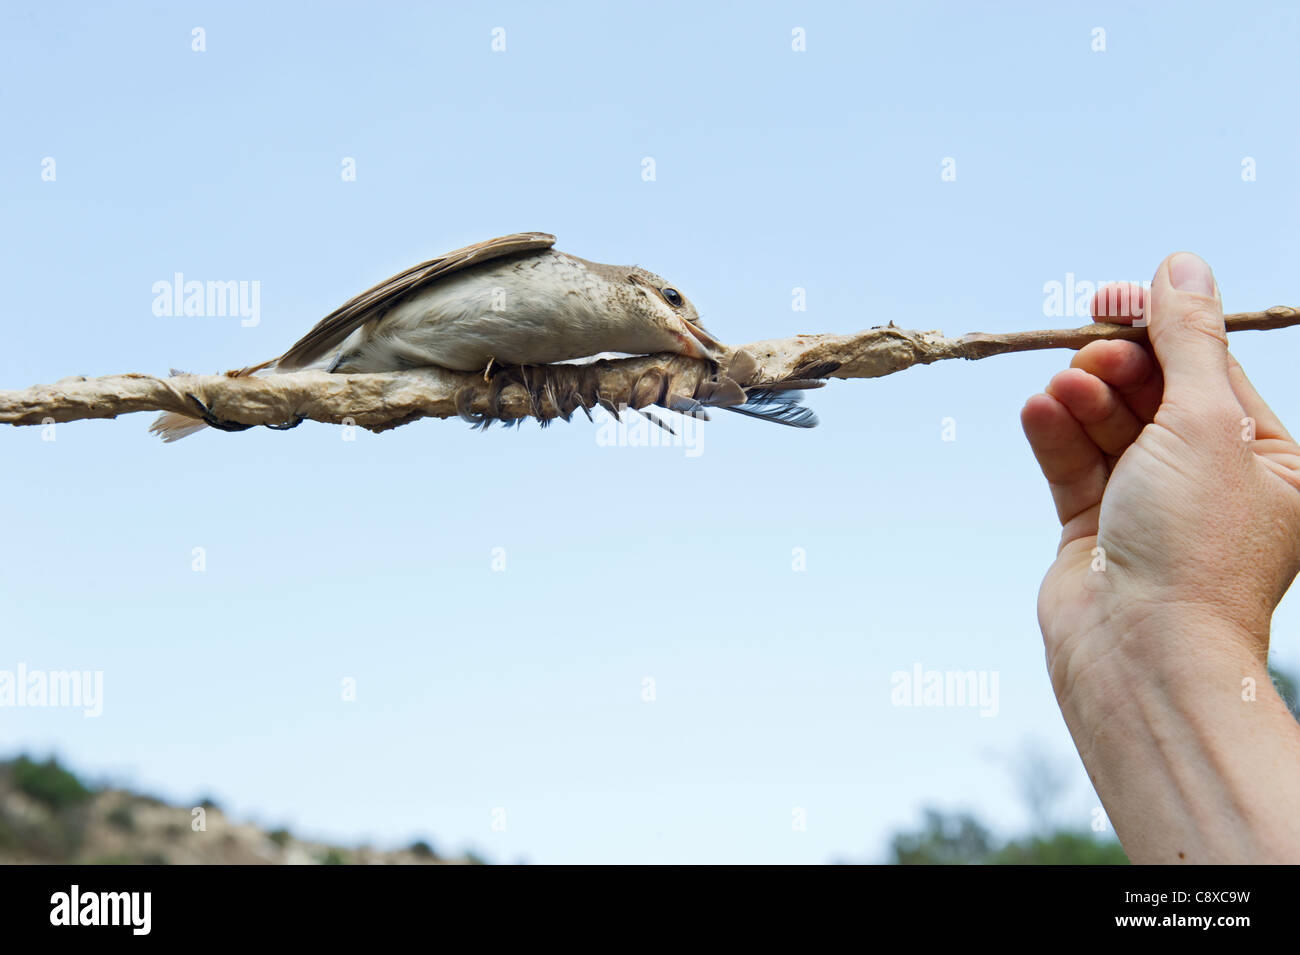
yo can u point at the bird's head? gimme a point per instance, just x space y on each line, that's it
672 316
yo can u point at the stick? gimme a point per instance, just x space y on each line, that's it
382 401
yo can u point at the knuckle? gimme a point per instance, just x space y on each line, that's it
1201 319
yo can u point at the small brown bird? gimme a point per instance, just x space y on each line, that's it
510 301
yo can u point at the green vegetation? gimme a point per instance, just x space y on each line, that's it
47 783
52 839
130 858
49 816
960 839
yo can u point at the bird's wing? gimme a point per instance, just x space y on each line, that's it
331 330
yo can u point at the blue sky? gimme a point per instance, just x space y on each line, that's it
522 689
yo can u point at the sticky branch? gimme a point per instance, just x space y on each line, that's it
382 401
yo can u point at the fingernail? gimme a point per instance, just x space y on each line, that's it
1189 273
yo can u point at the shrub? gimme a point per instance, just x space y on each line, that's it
48 783
121 818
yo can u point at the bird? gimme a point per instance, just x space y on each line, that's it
511 301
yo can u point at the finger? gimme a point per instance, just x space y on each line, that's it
1267 424
1073 465
1279 453
1188 336
1098 407
1120 303
1127 367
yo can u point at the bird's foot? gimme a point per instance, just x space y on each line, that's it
212 421
288 425
550 395
498 380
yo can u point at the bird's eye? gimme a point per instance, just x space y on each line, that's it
672 297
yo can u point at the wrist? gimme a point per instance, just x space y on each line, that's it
1178 724
1177 651
1170 644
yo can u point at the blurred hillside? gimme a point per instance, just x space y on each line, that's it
961 839
48 815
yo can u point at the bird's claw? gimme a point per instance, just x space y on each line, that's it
288 425
212 421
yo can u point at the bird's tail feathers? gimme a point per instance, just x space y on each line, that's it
780 403
172 427
779 406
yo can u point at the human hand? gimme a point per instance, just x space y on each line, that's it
1178 491
1167 460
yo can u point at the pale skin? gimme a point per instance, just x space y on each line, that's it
1169 461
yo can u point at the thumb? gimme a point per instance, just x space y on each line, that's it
1187 333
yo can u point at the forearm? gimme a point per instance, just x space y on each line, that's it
1193 761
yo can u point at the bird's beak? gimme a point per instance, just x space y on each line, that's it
697 343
